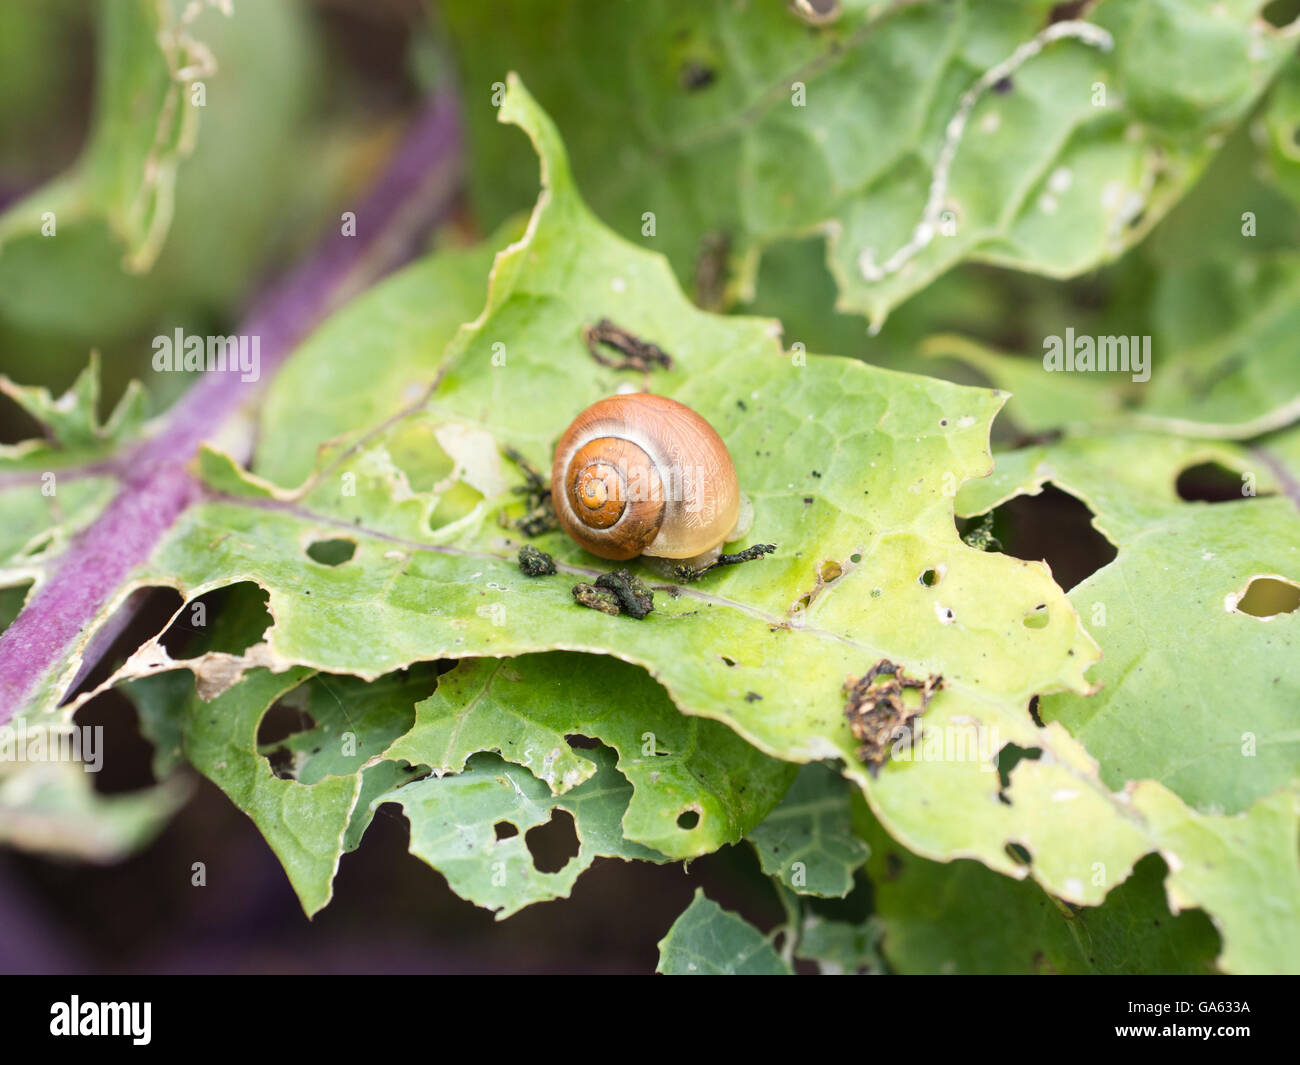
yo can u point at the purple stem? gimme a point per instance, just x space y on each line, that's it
414 193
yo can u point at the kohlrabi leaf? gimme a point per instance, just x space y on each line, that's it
707 940
352 724
303 824
962 918
852 471
373 359
71 423
696 785
844 948
1219 299
51 806
1210 713
808 842
1197 620
53 486
146 122
474 827
916 136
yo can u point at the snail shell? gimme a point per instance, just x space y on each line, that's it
643 474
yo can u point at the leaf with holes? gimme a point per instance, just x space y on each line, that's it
1208 714
304 824
962 918
696 785
377 561
916 136
477 829
707 940
850 469
146 123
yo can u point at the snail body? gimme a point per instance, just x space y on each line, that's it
641 474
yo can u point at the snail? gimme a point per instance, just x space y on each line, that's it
641 474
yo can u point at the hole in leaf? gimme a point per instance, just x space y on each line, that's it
930 578
281 762
581 743
1037 618
830 571
332 552
1280 13
142 617
554 844
729 661
1055 528
1007 759
1210 482
286 717
1020 855
855 558
229 619
688 819
124 756
505 830
1267 597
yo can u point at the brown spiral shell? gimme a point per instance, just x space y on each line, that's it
643 474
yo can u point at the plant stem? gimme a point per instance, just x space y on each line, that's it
413 194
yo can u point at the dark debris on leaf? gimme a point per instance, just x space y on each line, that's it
617 593
877 715
535 563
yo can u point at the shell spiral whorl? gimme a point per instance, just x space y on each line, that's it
643 474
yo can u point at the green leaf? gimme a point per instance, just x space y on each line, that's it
353 724
1207 713
145 123
64 293
760 128
696 785
367 383
303 824
459 826
708 940
851 470
875 452
841 948
72 421
1213 294
1255 907
808 842
1196 693
52 807
962 918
